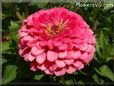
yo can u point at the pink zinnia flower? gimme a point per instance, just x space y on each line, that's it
56 41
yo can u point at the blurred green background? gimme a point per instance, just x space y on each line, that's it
15 71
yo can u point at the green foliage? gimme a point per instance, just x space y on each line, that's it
106 72
9 74
98 80
38 77
5 46
98 72
2 61
39 3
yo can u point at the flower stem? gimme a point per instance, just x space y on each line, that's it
19 16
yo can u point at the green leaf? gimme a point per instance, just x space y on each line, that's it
39 3
83 73
38 77
5 46
3 60
14 37
14 26
98 48
81 83
108 52
108 5
102 40
108 1
9 74
106 72
97 79
69 82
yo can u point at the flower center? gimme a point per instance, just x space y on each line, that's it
52 30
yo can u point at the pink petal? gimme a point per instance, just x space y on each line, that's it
70 54
76 54
60 63
90 56
60 72
66 40
20 52
53 67
27 38
48 64
33 66
41 58
62 54
84 47
38 45
25 51
77 46
52 56
78 65
31 43
92 39
85 39
69 62
31 57
77 41
93 50
29 20
63 47
81 67
48 72
43 43
70 70
75 35
89 48
26 57
90 31
35 51
84 56
42 67
50 44
23 28
70 46
57 43
22 34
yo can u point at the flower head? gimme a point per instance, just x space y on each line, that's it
56 41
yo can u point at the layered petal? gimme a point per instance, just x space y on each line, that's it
52 56
56 41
